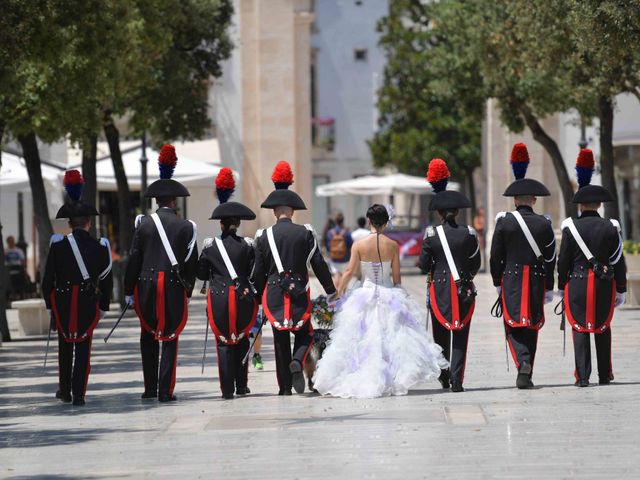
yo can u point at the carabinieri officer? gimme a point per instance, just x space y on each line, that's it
523 257
284 254
76 286
159 279
451 255
226 263
591 274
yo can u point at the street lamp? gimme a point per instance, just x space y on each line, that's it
143 174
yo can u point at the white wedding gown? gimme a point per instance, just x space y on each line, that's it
379 344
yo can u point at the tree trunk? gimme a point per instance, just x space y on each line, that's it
552 149
4 281
125 207
38 195
605 111
89 158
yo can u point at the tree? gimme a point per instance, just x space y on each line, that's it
422 114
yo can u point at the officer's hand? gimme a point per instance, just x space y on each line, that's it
498 290
548 296
128 300
560 294
620 298
102 314
188 300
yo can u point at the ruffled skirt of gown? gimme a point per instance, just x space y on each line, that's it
378 346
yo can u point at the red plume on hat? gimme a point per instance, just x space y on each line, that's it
438 175
585 164
282 175
167 161
519 160
73 184
225 184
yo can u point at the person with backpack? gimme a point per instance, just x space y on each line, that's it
339 244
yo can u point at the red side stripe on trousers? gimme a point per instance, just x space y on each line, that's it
524 297
73 316
233 313
160 309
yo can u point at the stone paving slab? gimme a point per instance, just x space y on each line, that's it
490 431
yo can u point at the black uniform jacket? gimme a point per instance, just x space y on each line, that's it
298 248
160 298
523 277
443 291
76 303
231 314
589 300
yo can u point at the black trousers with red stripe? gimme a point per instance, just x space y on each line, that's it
233 375
166 375
74 375
582 352
458 360
523 343
282 343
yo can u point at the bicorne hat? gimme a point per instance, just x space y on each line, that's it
166 186
282 178
225 186
438 176
523 186
73 206
588 193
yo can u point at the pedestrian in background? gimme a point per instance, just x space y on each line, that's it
339 244
360 232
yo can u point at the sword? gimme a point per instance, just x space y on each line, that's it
428 300
126 307
46 351
496 311
562 324
206 336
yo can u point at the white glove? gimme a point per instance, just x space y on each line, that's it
498 290
620 298
128 299
188 300
560 294
102 314
548 296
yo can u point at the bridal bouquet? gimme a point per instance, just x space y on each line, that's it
322 311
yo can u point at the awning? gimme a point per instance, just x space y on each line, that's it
379 185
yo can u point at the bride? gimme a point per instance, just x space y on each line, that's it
379 345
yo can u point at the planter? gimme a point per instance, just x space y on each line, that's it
32 317
633 280
633 263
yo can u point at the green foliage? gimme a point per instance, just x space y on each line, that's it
630 247
431 103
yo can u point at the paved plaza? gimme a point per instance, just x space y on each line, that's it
490 431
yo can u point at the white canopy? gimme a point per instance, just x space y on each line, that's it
189 172
14 176
379 185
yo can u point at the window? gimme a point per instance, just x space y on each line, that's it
358 3
360 54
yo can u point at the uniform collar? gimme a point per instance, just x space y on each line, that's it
228 234
80 232
589 213
524 208
284 219
166 210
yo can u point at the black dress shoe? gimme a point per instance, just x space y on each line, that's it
604 381
524 376
297 377
284 391
456 387
227 396
582 383
530 384
165 397
78 401
242 391
444 379
147 395
65 398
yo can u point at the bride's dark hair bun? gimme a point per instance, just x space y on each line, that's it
377 215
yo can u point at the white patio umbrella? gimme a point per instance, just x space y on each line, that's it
380 185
